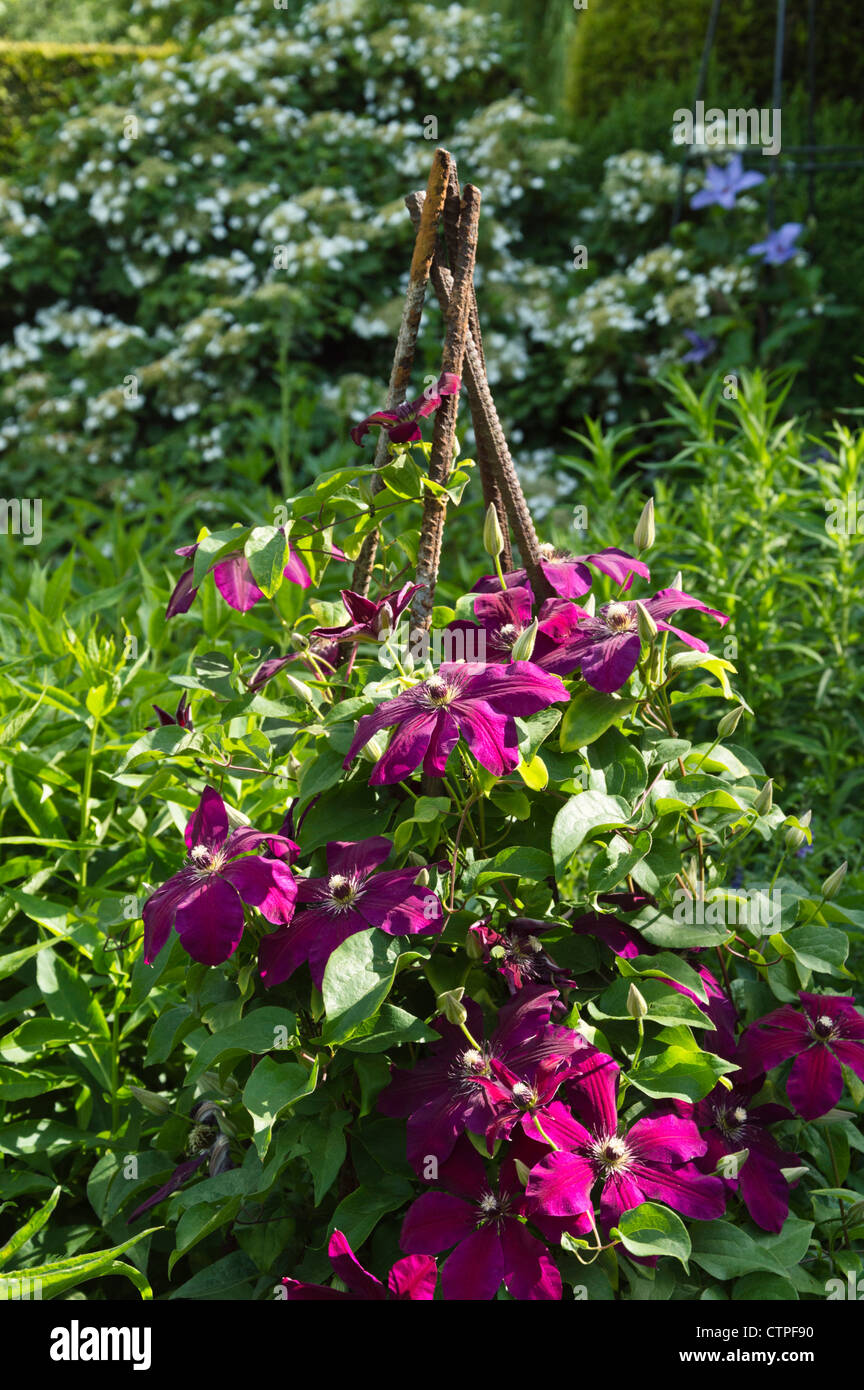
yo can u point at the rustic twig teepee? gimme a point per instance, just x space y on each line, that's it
448 260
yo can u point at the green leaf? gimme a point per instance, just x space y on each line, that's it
619 858
357 980
29 1229
265 551
232 1277
61 1275
588 715
358 1214
652 1229
665 965
679 1073
267 1029
764 1288
67 996
326 1148
588 813
271 1088
727 1252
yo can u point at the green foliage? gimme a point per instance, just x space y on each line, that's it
615 43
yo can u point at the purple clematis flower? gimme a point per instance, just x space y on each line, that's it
454 1089
650 1161
700 347
481 1222
350 899
724 182
729 1123
478 703
233 579
401 423
181 715
367 617
606 648
504 615
204 901
569 575
827 1031
518 953
413 1278
778 247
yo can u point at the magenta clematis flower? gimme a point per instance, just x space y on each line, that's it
826 1032
652 1161
413 1278
204 901
233 578
729 1123
478 703
367 617
482 1221
518 953
504 615
455 1088
181 716
606 648
724 182
401 423
569 575
350 899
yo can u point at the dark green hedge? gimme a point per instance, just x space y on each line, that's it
39 77
617 43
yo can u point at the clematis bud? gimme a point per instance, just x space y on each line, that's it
493 540
796 835
450 1005
678 581
636 1005
590 605
765 800
374 749
833 881
730 1165
729 723
643 536
473 946
157 1105
524 644
645 623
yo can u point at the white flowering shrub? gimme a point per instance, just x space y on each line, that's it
221 223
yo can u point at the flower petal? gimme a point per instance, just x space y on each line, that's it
210 921
435 1222
815 1082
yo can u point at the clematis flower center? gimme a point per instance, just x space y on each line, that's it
730 1122
438 692
492 1209
507 634
468 1067
619 617
611 1153
824 1027
342 891
206 861
523 1095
